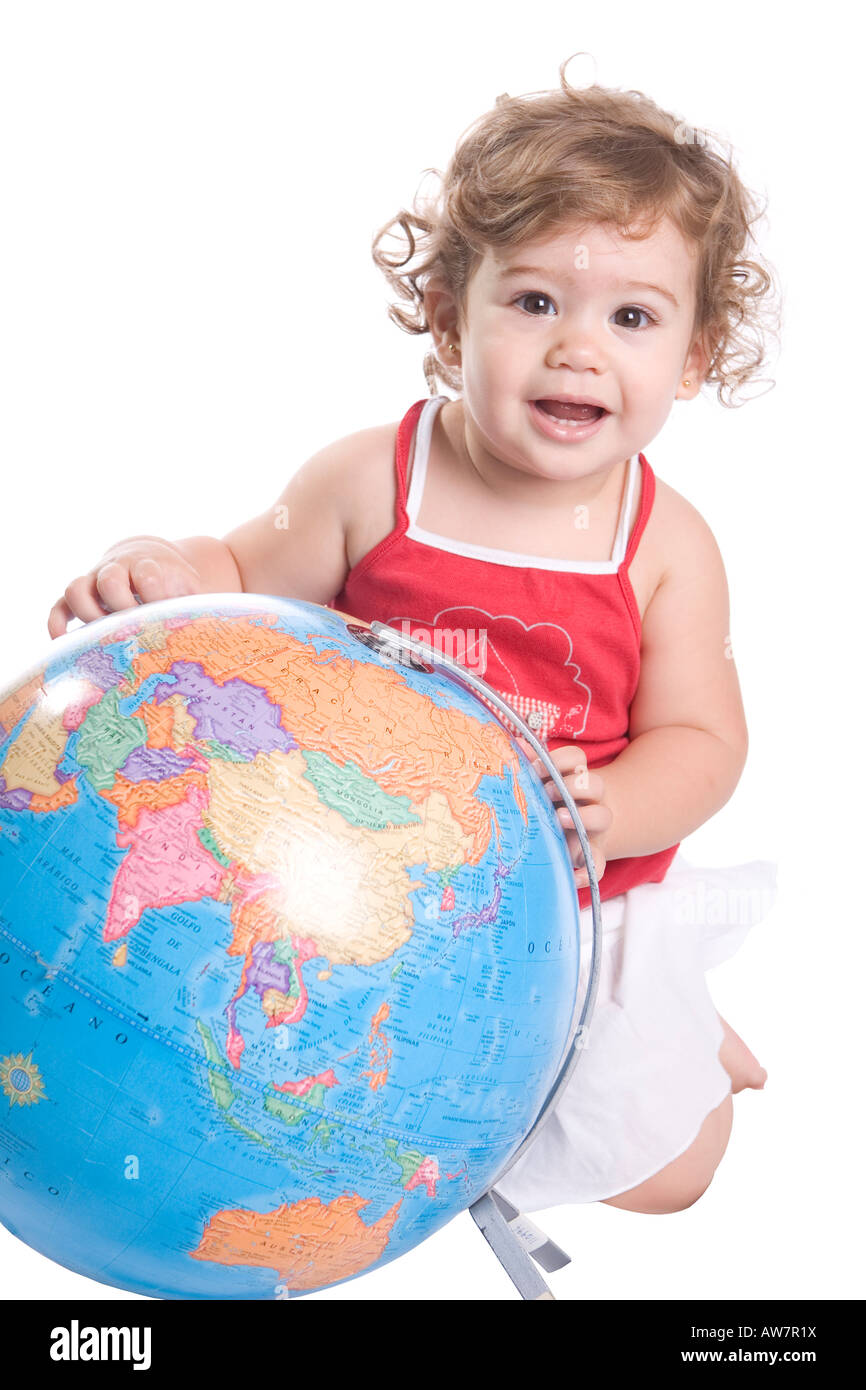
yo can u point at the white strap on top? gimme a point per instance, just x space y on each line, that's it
423 435
620 544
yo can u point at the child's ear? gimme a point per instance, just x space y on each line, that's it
694 370
440 309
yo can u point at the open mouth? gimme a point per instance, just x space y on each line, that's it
568 413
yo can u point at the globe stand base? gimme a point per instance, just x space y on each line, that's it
509 1249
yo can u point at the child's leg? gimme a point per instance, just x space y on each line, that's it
680 1183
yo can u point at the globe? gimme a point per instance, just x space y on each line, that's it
288 949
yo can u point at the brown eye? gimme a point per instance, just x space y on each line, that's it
533 295
633 313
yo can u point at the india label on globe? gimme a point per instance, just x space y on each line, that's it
288 950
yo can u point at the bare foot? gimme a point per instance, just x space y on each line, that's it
739 1062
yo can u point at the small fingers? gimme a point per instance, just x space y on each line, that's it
576 852
59 618
596 818
582 786
599 864
155 580
79 600
119 584
567 759
113 586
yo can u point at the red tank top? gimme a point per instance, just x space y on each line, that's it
559 640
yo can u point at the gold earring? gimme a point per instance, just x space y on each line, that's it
687 383
453 347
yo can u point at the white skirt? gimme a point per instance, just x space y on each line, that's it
649 1072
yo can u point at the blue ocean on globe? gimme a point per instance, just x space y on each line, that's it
288 950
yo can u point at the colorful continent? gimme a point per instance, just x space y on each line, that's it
240 759
310 1244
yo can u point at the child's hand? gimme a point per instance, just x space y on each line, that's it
142 568
587 790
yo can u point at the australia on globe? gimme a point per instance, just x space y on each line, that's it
288 950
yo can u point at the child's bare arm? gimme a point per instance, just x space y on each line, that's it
687 730
296 548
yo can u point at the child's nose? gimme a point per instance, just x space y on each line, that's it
578 342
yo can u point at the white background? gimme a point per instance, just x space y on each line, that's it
188 310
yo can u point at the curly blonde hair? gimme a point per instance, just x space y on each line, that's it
535 162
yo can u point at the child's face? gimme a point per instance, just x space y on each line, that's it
583 322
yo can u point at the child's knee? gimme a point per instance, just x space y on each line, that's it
695 1169
686 1194
661 1195
684 1180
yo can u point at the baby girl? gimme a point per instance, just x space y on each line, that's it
586 263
